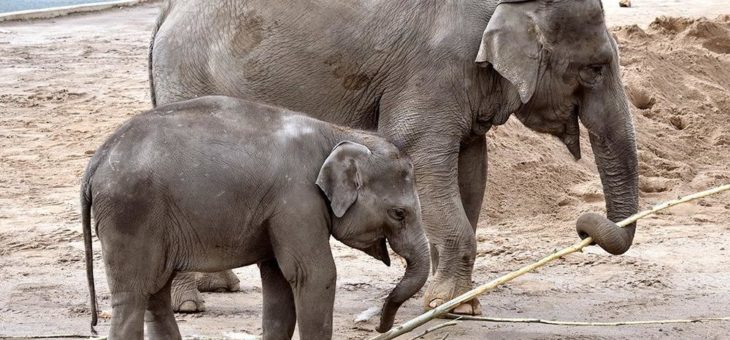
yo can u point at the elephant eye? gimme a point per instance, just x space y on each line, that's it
592 74
397 214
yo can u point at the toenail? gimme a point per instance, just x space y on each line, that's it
435 303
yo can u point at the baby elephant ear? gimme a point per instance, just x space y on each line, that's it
339 177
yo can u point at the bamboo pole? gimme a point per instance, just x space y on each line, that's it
578 323
449 305
453 322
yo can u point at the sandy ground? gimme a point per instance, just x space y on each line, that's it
67 83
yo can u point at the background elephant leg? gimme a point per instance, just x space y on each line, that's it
449 229
279 311
159 317
185 295
434 257
473 178
225 281
472 183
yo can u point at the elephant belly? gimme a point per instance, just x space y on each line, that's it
221 253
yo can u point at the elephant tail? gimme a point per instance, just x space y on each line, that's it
160 19
86 225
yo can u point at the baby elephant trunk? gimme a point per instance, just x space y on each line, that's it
414 249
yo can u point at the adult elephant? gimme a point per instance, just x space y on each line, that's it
433 77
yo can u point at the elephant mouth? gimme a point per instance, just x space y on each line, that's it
379 251
571 135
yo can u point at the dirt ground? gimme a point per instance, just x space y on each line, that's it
67 83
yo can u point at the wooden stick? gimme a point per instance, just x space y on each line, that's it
449 305
578 323
437 327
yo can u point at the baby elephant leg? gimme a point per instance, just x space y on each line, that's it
159 317
313 284
127 315
279 311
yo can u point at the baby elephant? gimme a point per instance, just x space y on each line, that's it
216 183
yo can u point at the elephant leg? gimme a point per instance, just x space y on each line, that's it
279 311
185 295
434 257
314 296
225 281
473 177
449 229
159 317
472 183
128 310
135 270
306 264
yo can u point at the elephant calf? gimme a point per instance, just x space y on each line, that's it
216 183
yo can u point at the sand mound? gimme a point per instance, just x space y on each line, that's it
699 28
677 77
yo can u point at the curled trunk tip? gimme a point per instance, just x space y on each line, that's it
608 235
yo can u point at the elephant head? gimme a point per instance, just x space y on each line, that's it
562 62
373 199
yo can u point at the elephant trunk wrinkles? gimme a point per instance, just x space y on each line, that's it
416 255
616 159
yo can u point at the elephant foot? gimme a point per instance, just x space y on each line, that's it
190 306
185 295
225 281
471 307
438 294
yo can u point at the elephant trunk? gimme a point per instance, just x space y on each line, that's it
414 250
614 147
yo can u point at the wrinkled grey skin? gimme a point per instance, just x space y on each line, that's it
431 76
216 183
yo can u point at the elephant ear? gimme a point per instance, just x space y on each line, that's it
339 177
511 44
